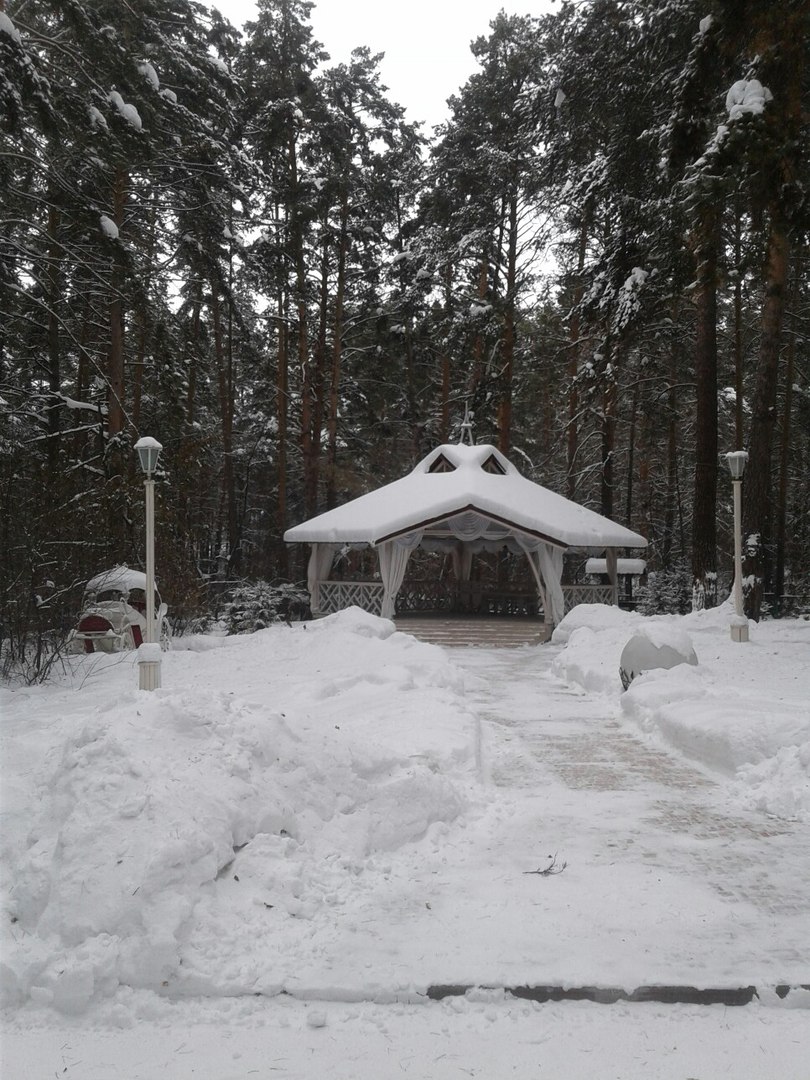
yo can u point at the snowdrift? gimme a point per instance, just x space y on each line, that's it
132 821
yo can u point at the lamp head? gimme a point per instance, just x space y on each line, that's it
736 462
148 453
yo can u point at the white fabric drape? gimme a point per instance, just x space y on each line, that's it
320 563
551 567
534 563
462 556
547 566
393 558
472 526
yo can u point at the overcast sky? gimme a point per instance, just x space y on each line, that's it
426 42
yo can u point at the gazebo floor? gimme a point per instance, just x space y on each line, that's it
489 632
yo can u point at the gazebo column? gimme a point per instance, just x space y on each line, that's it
612 567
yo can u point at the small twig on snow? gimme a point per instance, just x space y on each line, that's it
551 869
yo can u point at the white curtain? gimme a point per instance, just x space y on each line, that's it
547 566
472 526
551 567
320 563
534 563
462 555
393 557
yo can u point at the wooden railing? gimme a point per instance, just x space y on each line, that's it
468 596
587 594
337 595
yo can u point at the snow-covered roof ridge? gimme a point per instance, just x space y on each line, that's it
464 456
454 479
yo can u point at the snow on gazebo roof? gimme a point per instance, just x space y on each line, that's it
120 579
454 479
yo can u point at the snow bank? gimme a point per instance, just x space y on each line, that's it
743 712
160 818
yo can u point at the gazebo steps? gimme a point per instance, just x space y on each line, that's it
460 632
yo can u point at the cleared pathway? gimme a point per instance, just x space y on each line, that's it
674 882
482 631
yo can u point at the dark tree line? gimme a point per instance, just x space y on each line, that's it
234 245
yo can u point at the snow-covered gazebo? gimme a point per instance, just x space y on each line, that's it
460 500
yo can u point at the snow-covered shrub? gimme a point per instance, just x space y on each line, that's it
667 592
255 605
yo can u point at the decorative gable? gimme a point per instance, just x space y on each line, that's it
492 465
441 464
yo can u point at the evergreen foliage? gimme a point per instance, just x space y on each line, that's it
234 245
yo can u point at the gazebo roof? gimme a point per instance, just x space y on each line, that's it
456 479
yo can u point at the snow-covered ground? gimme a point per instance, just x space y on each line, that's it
264 867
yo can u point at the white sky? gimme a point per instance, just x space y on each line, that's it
426 42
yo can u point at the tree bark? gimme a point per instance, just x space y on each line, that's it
337 355
505 402
572 429
226 407
704 520
757 508
115 362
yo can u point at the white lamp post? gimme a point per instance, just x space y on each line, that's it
736 462
149 653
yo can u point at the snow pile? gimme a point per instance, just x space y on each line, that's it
128 111
8 27
747 96
148 71
160 818
742 712
97 118
108 227
655 646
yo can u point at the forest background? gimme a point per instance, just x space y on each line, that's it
228 243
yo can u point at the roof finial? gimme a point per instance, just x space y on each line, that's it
467 426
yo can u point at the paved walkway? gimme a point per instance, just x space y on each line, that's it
694 888
485 631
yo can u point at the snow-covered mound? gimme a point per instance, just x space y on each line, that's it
264 786
655 646
742 712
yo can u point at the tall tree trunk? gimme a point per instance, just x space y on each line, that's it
282 412
608 426
319 406
54 360
115 362
505 403
444 402
477 370
337 354
782 36
631 450
757 502
738 345
303 358
704 521
226 408
784 461
572 429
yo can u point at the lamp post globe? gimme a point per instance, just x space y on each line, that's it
736 461
149 664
